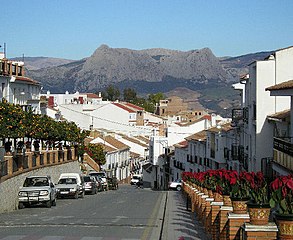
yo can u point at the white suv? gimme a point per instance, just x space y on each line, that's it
37 189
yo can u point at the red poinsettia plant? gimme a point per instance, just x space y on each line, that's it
210 179
241 188
225 180
258 187
282 194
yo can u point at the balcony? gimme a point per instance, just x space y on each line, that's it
283 152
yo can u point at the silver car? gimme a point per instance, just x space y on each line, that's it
37 190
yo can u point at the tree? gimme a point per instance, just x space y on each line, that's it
156 97
96 152
112 93
129 95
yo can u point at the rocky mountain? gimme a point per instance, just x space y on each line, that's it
138 68
34 63
148 71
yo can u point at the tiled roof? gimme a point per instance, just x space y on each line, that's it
115 143
281 86
144 139
225 127
280 115
136 141
182 144
92 95
124 107
202 135
108 149
26 79
195 121
134 106
134 155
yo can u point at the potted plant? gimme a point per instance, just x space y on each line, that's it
258 205
239 193
226 179
282 200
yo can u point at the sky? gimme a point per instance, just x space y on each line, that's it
74 29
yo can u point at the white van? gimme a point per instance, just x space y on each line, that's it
135 179
70 185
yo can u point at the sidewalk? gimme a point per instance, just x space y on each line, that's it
180 223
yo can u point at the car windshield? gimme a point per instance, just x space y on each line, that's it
67 181
36 182
100 175
135 177
87 179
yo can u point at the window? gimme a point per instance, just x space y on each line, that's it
13 69
19 71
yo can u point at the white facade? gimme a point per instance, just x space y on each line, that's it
117 159
258 135
16 88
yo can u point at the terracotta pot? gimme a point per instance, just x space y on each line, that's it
285 226
239 205
218 197
227 200
210 193
259 214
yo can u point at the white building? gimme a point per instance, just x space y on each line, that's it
257 133
16 88
117 156
282 124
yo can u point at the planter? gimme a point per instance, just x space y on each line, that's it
239 205
210 193
285 225
218 197
259 213
227 200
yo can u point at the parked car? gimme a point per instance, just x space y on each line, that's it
37 190
90 184
103 177
70 185
112 183
135 179
99 184
175 185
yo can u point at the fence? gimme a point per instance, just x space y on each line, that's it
17 163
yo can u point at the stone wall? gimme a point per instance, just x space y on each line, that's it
9 188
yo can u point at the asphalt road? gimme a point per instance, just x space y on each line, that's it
126 213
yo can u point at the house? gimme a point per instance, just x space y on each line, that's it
117 156
282 124
16 88
250 121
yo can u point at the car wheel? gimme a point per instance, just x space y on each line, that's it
178 188
54 202
48 204
20 205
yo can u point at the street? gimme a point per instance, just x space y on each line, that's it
126 213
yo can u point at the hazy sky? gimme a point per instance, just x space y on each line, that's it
73 29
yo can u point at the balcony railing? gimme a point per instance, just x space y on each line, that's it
283 153
283 146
